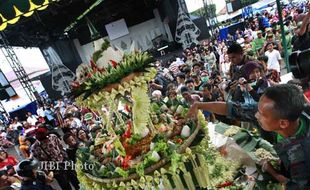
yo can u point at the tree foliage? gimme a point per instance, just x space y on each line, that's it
207 11
248 2
243 2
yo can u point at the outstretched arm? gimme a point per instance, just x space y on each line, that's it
304 25
219 108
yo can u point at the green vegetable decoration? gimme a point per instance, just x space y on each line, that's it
121 172
175 159
144 143
140 111
119 147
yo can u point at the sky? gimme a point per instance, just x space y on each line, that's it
29 57
193 5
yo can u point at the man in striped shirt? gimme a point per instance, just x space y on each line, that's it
174 66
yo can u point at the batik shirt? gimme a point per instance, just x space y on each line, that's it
50 149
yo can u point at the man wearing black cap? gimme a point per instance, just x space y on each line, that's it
31 178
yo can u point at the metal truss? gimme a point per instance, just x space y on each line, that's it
18 69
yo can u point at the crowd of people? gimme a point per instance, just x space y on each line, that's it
232 75
43 136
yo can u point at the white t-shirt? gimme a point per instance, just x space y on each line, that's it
77 122
273 60
240 41
225 68
41 112
32 120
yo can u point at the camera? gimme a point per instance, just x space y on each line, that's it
300 63
248 81
41 176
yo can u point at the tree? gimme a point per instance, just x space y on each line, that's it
247 2
209 11
199 12
212 10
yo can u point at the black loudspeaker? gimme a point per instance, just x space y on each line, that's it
6 90
159 41
202 25
168 9
4 95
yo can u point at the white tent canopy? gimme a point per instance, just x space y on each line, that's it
262 3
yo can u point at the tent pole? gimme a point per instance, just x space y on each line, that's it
284 43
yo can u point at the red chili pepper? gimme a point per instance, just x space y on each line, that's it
127 108
114 63
179 140
93 65
225 184
125 162
89 75
127 133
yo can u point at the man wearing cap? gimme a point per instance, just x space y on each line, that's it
270 39
277 35
90 121
247 44
32 179
258 43
268 31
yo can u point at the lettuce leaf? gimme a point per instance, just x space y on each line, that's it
162 147
119 147
140 169
175 159
148 161
122 172
155 108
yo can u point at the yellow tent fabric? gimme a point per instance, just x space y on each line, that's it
12 10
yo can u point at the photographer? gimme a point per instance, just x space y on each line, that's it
253 82
282 110
32 179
